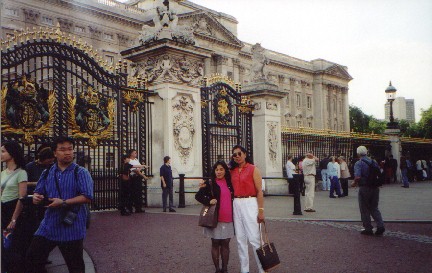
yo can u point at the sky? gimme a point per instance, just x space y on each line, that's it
378 40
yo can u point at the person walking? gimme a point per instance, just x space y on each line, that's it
167 184
248 205
324 174
13 189
309 172
345 174
333 170
67 187
219 191
368 196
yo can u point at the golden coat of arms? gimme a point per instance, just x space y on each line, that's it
27 109
91 116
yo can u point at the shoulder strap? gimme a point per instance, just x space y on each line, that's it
3 186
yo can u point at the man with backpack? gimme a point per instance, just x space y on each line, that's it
65 188
366 176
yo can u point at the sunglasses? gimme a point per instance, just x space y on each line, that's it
237 154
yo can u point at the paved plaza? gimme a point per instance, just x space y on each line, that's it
325 241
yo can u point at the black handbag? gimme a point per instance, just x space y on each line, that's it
208 216
267 253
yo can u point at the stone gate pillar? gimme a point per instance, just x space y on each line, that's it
396 149
266 124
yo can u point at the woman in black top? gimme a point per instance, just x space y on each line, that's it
219 192
125 188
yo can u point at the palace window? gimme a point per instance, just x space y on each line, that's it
334 106
309 102
79 29
47 21
299 123
340 107
110 59
108 36
11 12
298 102
310 124
287 99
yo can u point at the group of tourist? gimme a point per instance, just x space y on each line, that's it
43 206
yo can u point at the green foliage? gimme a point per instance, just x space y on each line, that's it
425 122
359 121
363 123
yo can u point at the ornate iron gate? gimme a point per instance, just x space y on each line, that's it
226 118
53 85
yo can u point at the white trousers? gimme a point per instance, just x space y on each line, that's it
309 191
246 229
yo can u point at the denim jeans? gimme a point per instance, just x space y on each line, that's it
335 186
325 180
405 177
165 192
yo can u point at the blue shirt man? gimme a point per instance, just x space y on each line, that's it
64 193
167 184
368 197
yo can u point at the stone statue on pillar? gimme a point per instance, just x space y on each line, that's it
259 61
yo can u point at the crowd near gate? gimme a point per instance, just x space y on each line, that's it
298 141
53 85
226 118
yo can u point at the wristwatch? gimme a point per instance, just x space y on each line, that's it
13 221
64 203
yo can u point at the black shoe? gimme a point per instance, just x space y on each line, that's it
139 211
332 196
366 232
172 210
405 186
164 210
341 196
379 231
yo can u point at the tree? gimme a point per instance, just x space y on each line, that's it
359 121
377 126
425 123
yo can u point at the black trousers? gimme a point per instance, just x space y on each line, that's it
344 185
41 247
136 191
125 195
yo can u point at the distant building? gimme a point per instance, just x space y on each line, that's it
402 109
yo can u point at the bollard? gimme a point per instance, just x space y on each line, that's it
297 205
182 191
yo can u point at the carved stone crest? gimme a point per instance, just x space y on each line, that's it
91 116
27 109
271 105
168 67
183 126
272 141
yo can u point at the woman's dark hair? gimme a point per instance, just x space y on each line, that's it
232 163
129 152
166 159
123 158
227 172
16 152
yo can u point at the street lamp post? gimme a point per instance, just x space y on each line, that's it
391 95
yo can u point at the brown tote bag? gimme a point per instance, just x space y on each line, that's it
267 253
208 216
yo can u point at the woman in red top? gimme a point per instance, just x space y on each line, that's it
248 205
219 191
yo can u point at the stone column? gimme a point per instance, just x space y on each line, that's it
396 149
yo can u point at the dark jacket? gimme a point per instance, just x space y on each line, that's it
204 195
323 163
